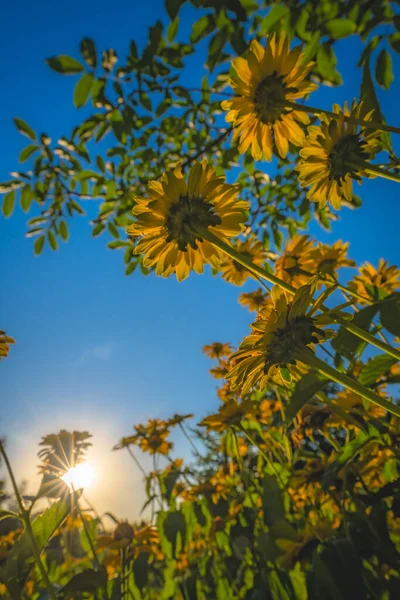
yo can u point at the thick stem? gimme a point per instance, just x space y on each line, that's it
309 359
206 234
28 527
318 111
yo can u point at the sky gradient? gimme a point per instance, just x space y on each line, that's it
97 350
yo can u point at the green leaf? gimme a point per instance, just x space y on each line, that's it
63 230
173 529
24 129
38 245
202 27
172 29
340 28
347 343
276 13
311 47
337 571
375 368
173 7
26 197
145 101
8 203
141 570
20 560
82 90
272 501
52 240
87 581
88 51
215 46
394 41
27 152
383 70
305 390
390 313
8 514
65 64
368 94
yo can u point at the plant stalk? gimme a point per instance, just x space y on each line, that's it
374 170
311 360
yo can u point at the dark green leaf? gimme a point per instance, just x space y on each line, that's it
88 51
272 501
347 343
38 245
8 203
63 230
26 197
394 41
87 581
52 240
172 29
64 64
27 152
276 13
202 27
24 128
390 313
305 390
82 90
173 7
383 70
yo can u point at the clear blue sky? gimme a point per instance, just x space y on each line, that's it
97 350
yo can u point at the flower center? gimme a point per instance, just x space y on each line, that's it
289 339
269 98
347 150
187 214
327 266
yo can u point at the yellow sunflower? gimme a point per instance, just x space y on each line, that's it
296 264
217 350
283 329
254 301
235 273
5 342
231 413
169 219
265 81
328 259
334 153
375 284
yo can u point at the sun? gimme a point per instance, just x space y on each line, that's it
79 477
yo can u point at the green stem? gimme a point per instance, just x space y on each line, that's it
206 234
309 359
374 170
318 111
28 527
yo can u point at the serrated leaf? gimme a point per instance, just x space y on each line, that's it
383 70
82 90
348 344
64 64
8 203
24 128
375 368
390 313
340 28
88 51
305 390
38 245
27 152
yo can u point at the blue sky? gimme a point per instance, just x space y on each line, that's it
97 350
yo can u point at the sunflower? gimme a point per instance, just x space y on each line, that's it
167 221
151 438
254 301
5 342
265 80
375 284
234 272
334 153
217 350
231 413
296 264
328 259
282 330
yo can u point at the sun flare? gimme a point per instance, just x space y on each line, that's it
80 476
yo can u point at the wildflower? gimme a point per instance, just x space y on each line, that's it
5 342
334 153
254 301
296 264
167 221
265 81
229 414
282 331
375 284
150 438
217 350
234 272
328 259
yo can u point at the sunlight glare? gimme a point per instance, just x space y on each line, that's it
79 477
